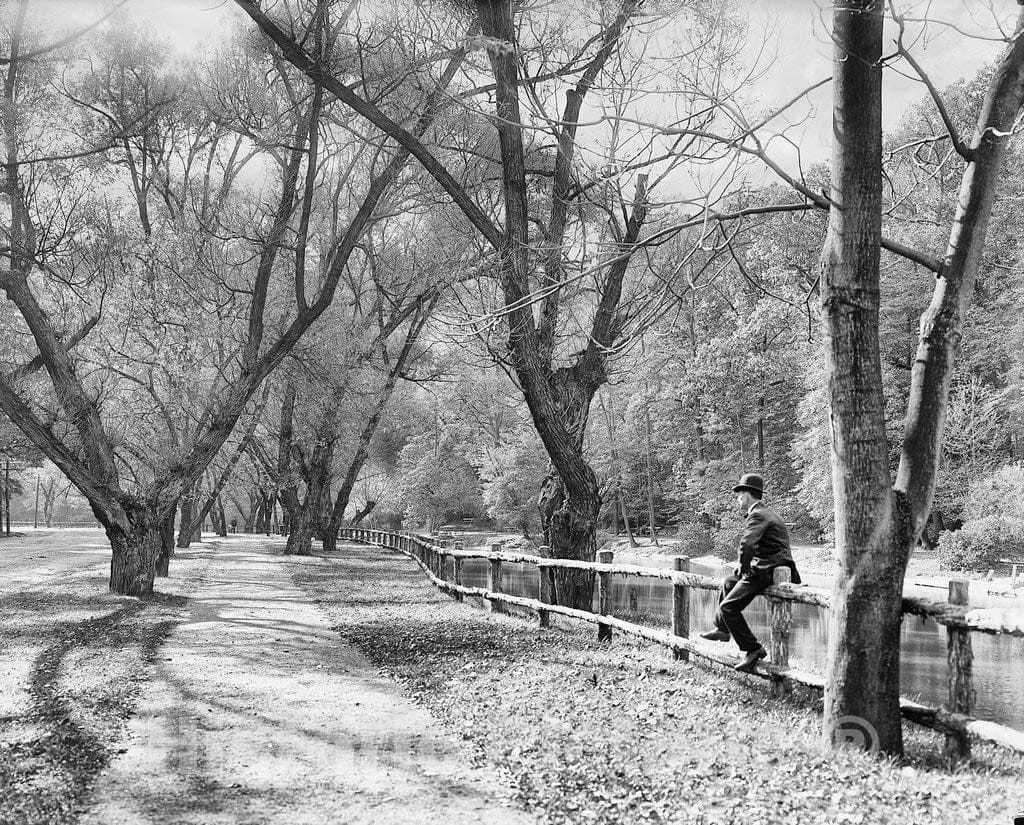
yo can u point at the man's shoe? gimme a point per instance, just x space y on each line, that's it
751 659
715 635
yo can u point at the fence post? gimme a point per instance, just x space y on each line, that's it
960 658
494 579
439 558
457 571
543 617
681 607
604 600
780 615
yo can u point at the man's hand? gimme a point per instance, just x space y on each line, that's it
736 571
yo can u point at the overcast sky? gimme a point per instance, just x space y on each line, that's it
799 51
804 56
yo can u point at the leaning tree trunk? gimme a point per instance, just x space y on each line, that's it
359 515
862 682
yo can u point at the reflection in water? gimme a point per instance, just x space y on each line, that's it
998 660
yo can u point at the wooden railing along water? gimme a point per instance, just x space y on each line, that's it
954 720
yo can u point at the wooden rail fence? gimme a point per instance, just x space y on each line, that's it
955 721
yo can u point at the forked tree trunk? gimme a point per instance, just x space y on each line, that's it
876 529
367 508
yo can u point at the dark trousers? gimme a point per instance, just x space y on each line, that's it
737 592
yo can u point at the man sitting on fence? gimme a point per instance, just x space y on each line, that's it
765 546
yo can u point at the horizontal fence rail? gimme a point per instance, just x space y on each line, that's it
955 721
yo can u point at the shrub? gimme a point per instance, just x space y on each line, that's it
694 540
727 536
999 494
979 544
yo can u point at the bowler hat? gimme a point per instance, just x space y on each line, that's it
750 481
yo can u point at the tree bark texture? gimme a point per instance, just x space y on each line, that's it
306 517
862 671
134 544
165 547
189 528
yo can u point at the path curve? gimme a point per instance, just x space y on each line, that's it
257 712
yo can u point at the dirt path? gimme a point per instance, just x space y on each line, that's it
258 713
37 555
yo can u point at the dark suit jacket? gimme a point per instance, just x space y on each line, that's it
765 543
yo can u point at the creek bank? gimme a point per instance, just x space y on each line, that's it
593 733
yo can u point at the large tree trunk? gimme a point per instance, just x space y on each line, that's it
300 534
570 526
165 548
189 528
862 673
306 519
135 544
220 518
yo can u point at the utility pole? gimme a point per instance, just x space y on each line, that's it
650 477
7 494
760 436
35 513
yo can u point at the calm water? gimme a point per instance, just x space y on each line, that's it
998 660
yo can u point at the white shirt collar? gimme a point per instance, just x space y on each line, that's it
753 506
